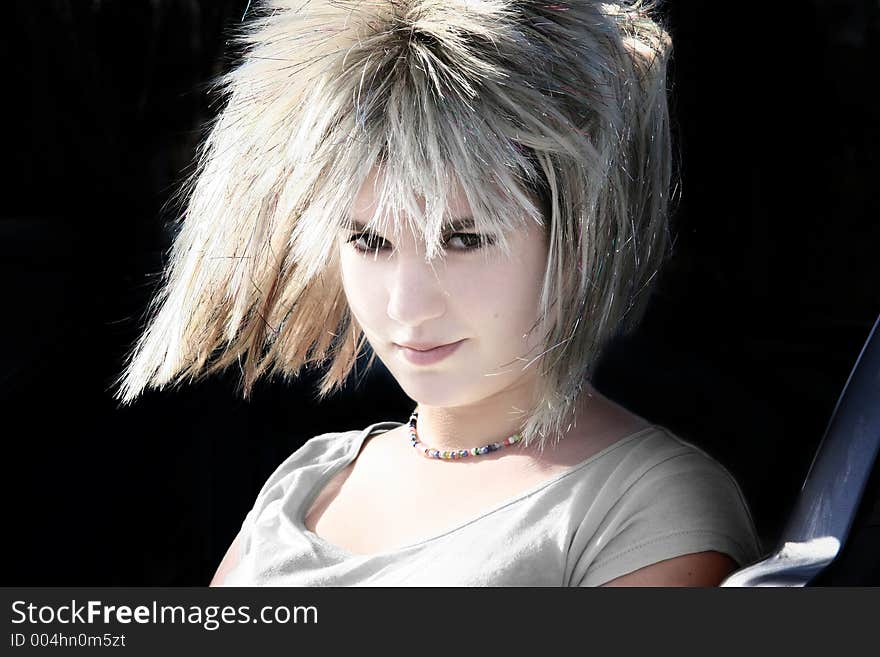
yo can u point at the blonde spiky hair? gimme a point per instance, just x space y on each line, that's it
514 101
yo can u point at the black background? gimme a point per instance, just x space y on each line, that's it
750 338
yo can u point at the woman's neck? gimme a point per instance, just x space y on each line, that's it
491 420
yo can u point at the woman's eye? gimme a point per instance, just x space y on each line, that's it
366 242
471 241
370 243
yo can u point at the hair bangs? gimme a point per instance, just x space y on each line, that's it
412 117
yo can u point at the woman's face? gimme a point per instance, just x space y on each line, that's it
486 305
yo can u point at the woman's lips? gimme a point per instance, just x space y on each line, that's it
430 356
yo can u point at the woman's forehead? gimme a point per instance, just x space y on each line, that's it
369 196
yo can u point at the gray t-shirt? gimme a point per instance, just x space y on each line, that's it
647 497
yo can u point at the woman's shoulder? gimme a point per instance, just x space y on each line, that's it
658 477
662 497
657 450
324 449
335 444
676 481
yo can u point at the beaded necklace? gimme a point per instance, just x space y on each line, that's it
455 453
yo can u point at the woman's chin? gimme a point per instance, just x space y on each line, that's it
432 392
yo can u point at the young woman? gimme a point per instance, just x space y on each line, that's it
479 190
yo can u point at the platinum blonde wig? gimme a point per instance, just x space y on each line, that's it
553 112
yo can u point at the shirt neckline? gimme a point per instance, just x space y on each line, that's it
321 481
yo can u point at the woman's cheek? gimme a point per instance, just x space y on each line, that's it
361 290
477 285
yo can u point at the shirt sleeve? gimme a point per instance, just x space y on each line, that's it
686 503
315 450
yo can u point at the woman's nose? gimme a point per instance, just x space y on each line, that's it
415 292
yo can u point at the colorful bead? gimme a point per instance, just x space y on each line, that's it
455 453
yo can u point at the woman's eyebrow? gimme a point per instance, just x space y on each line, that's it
459 224
463 223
